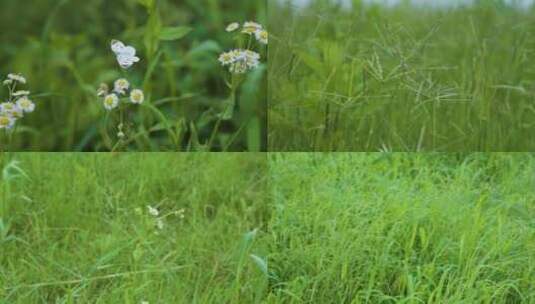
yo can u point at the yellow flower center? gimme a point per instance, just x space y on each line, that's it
4 121
109 101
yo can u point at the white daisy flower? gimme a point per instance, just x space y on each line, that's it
227 58
251 28
17 113
121 86
262 36
246 60
126 55
232 27
25 104
137 96
252 58
153 211
21 93
240 61
17 77
6 121
111 102
7 107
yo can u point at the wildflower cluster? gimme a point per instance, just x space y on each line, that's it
121 90
241 60
17 103
126 57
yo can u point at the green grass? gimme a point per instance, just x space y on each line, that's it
401 78
284 228
63 48
402 228
75 228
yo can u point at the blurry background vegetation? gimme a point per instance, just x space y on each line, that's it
62 47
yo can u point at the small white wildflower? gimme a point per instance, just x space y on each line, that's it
240 61
121 135
17 77
226 58
251 27
21 93
8 82
159 223
126 55
7 107
262 36
111 102
25 104
153 211
232 27
17 112
6 121
252 59
103 90
137 96
121 86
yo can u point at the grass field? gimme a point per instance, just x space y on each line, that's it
401 78
284 228
402 228
63 49
76 228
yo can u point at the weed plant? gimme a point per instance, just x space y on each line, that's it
402 228
63 48
129 228
401 78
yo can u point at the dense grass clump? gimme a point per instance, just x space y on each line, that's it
402 228
63 49
401 78
127 228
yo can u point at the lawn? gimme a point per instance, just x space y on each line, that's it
401 78
402 228
128 228
63 49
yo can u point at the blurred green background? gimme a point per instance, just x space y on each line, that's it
62 47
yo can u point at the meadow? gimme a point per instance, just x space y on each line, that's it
63 50
133 228
373 77
402 228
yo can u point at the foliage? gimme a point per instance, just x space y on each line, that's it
65 54
77 228
402 228
401 78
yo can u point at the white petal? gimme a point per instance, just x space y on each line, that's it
117 46
128 51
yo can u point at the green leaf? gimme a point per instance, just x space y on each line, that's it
152 33
261 263
174 33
